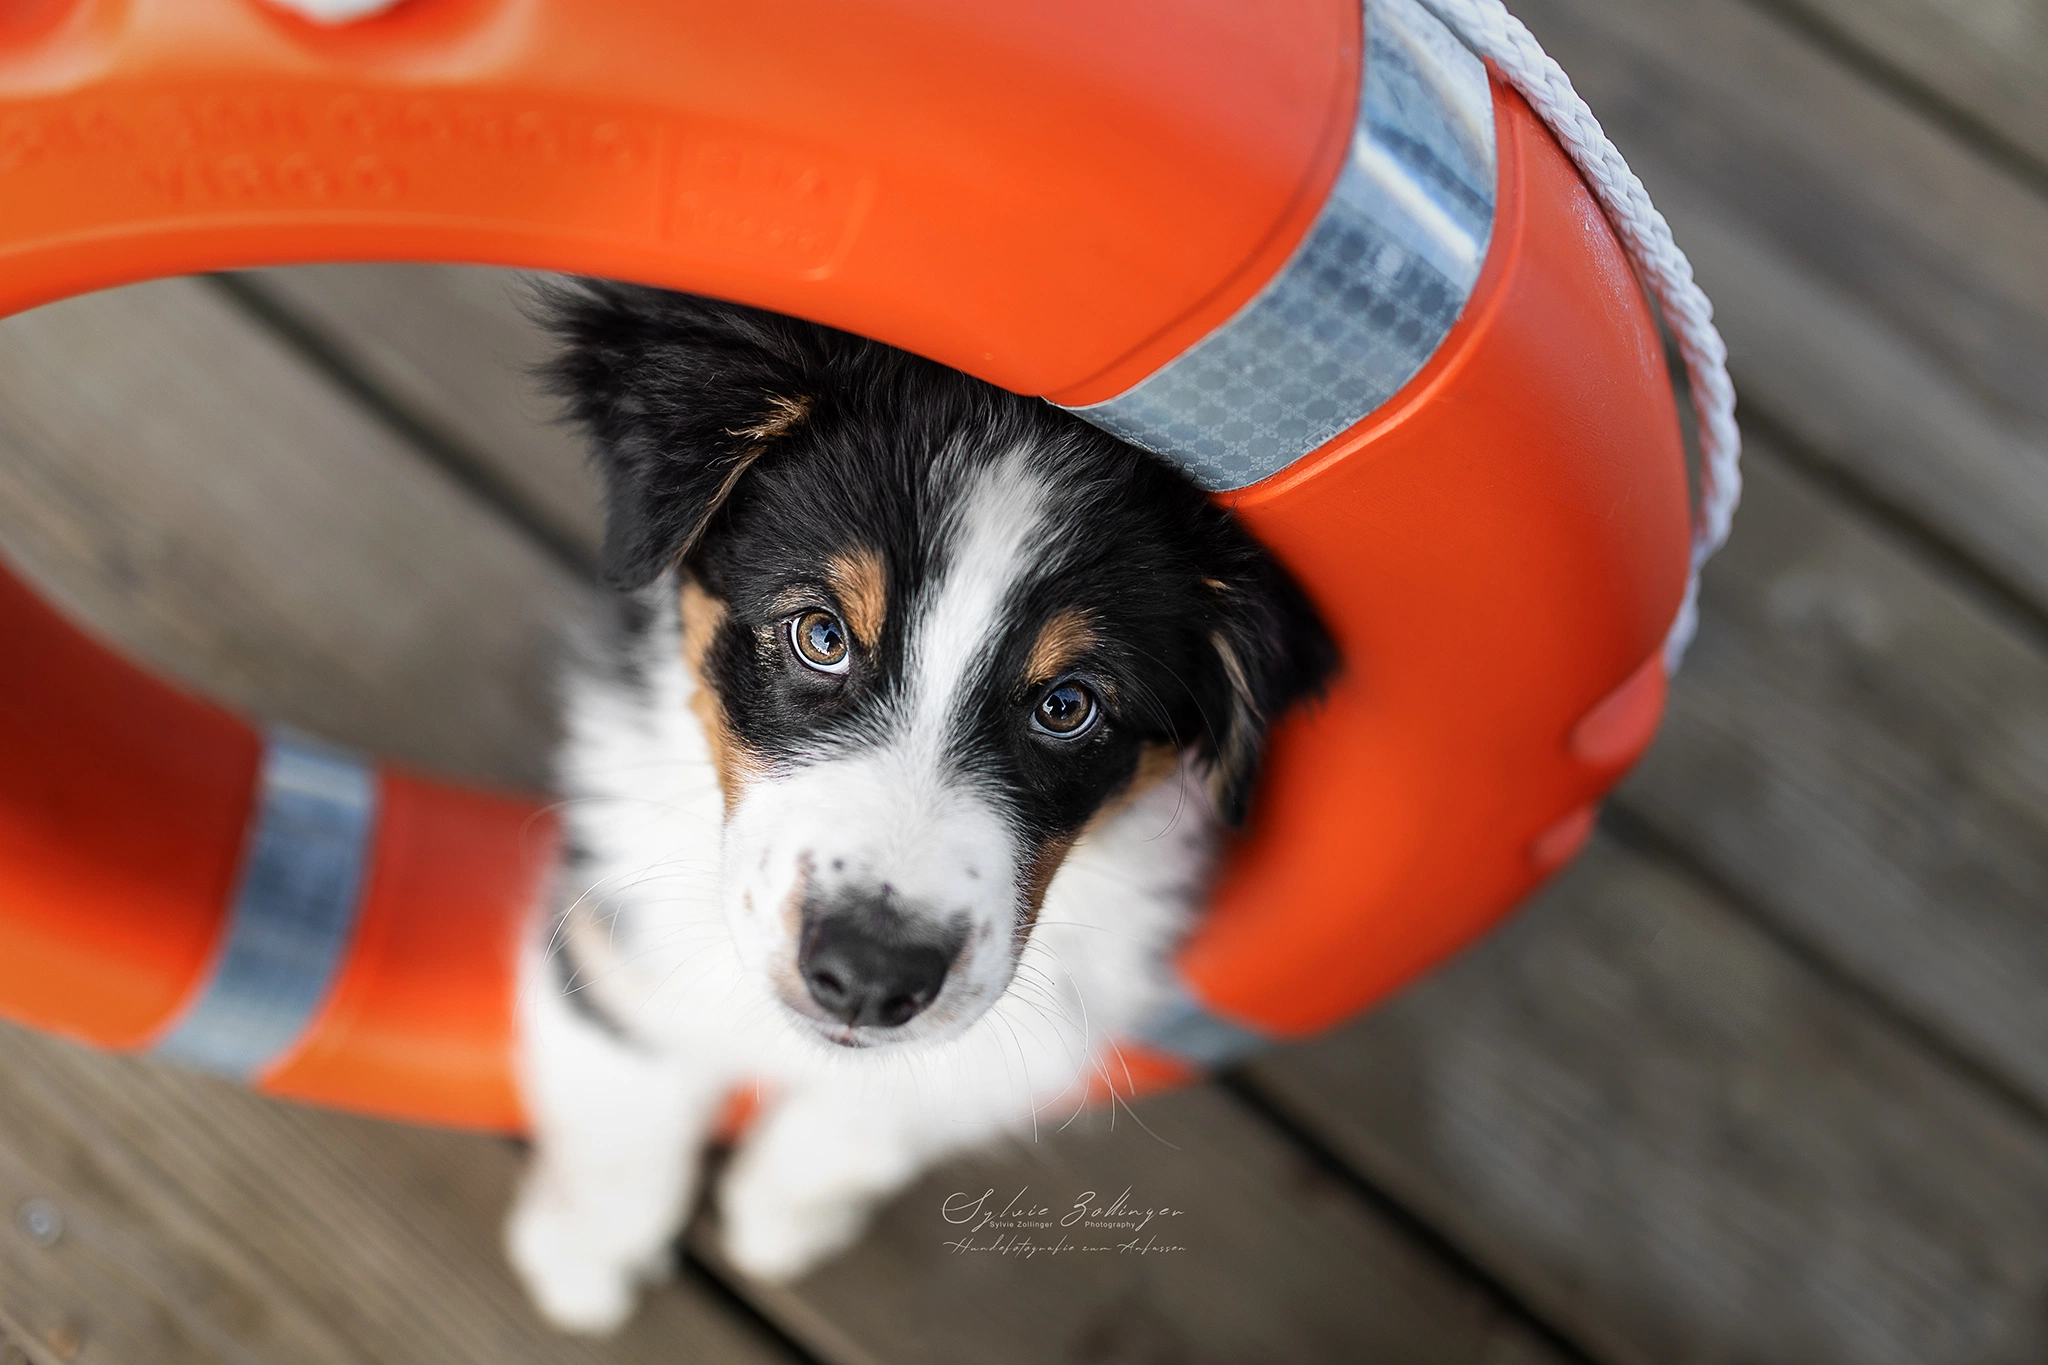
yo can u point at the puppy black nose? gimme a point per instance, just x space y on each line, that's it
872 967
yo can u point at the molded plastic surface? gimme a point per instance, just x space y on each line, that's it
1498 549
1056 196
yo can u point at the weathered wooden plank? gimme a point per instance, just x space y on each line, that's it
1670 1136
1864 400
1278 1261
1860 747
1675 1140
1987 59
81 1283
1850 745
203 1223
455 348
1884 289
208 502
197 494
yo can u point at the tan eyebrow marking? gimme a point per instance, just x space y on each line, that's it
793 599
731 760
1238 745
860 581
1061 641
783 416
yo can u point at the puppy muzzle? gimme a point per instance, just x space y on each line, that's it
869 962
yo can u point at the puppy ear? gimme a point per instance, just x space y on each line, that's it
680 395
1271 650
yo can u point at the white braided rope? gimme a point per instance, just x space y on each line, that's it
1491 31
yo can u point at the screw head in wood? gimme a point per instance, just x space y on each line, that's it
39 1221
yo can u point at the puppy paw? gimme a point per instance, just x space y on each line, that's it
774 1238
575 1288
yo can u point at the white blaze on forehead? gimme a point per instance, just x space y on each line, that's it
892 816
996 542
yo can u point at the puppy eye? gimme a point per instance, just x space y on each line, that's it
820 641
1067 710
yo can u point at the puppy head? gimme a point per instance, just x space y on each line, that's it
935 629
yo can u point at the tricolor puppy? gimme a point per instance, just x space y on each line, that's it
889 791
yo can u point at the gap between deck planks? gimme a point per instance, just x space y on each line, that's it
1977 65
1681 1145
220 509
1646 1268
201 1223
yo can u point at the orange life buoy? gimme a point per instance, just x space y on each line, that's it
1338 272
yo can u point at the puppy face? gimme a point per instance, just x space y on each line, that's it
935 630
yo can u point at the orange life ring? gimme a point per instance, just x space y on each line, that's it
1068 198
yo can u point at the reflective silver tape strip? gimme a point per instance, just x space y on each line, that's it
1185 1030
303 869
1368 296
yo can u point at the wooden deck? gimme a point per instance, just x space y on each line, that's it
1763 1078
